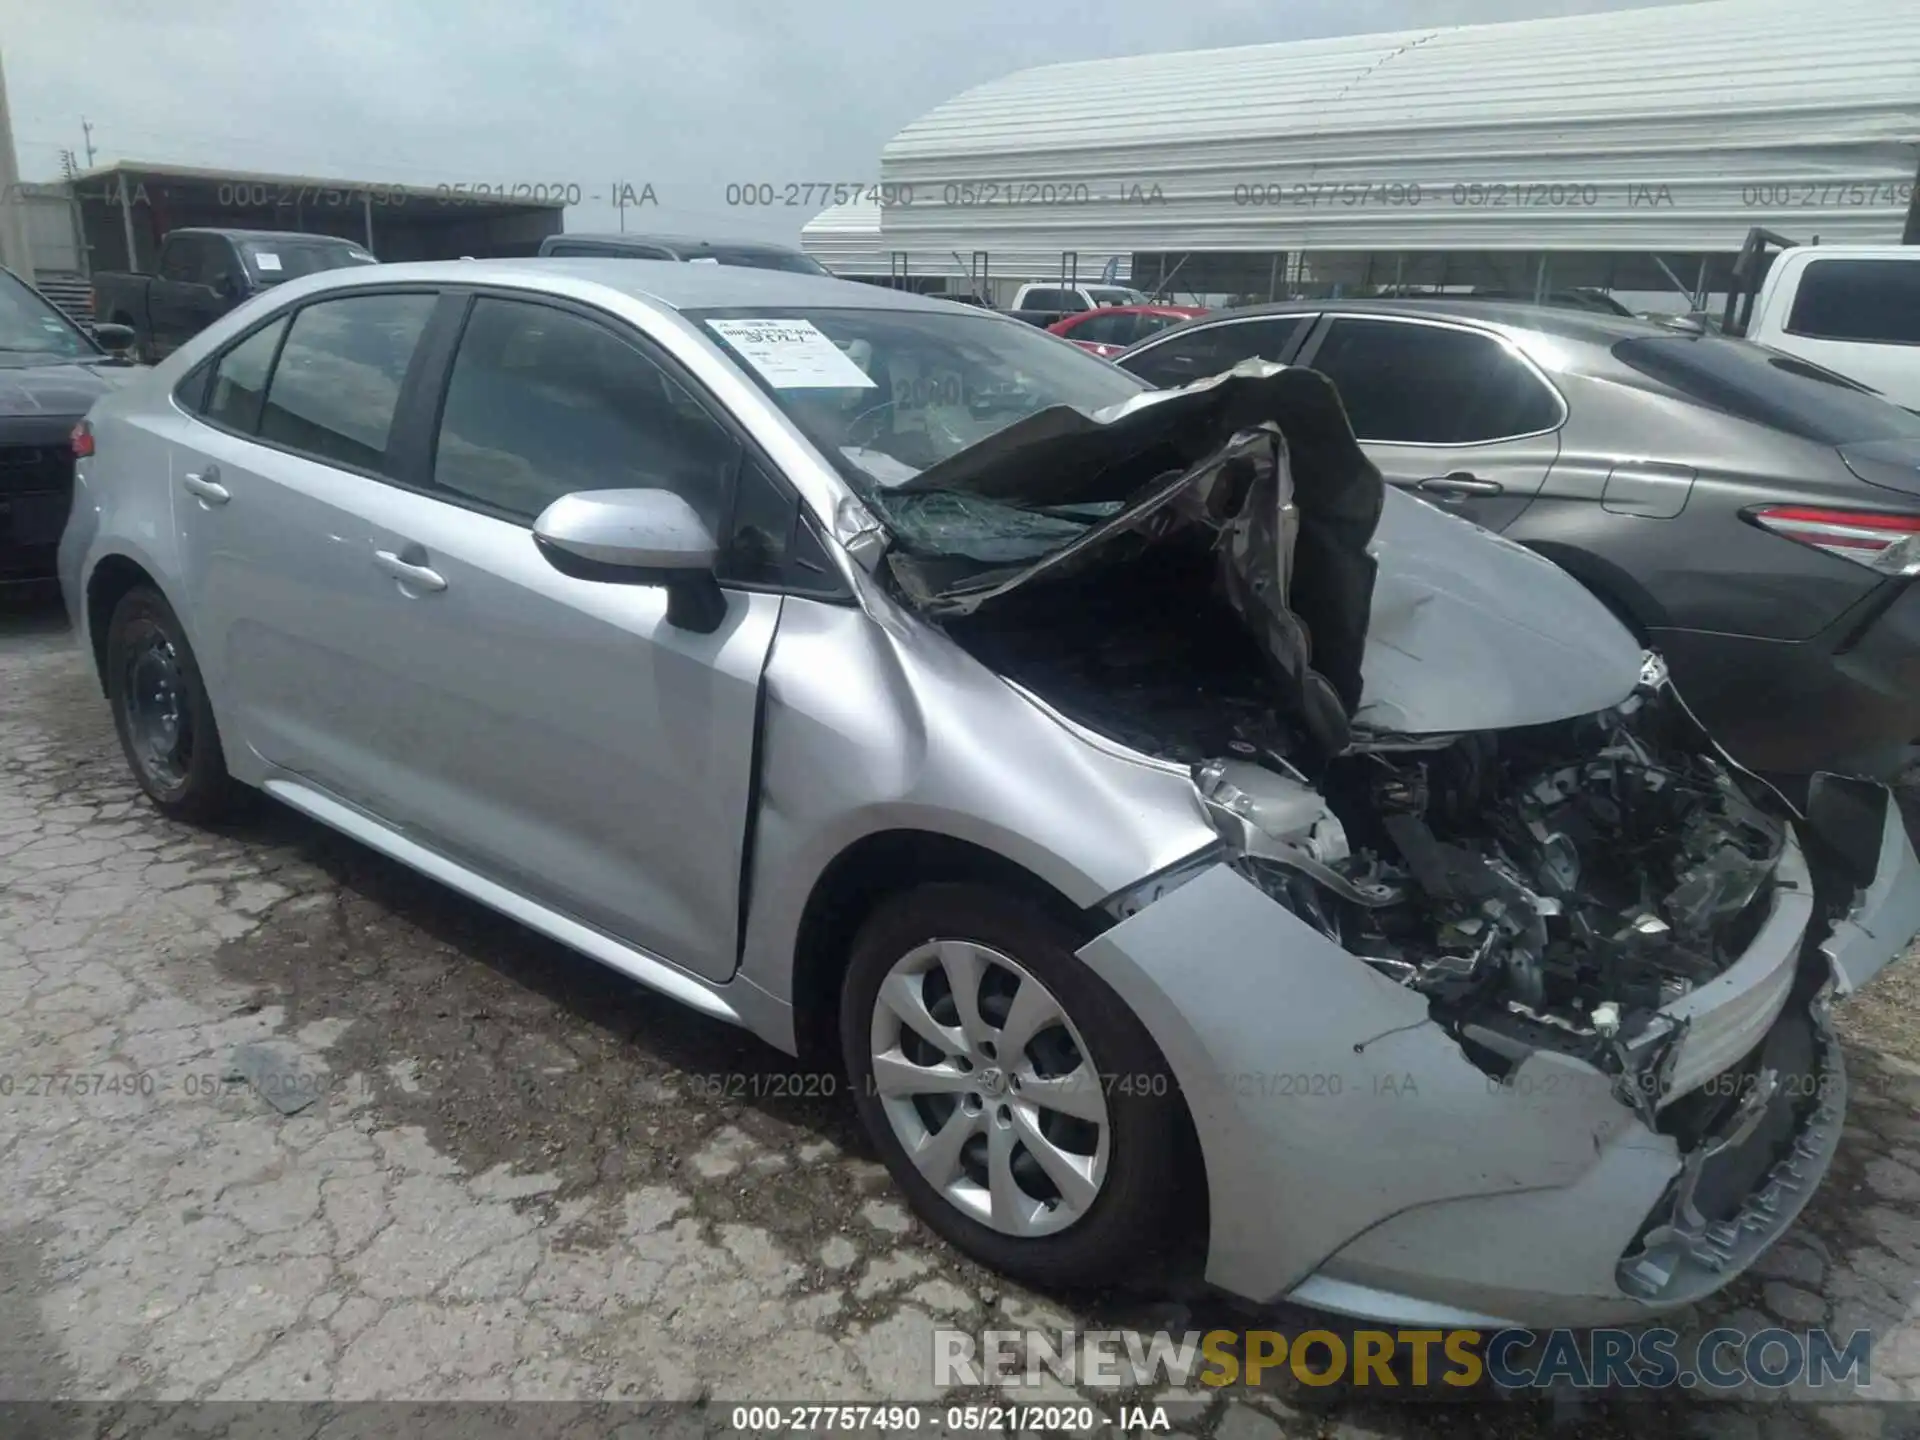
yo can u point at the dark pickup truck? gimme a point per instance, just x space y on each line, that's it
202 274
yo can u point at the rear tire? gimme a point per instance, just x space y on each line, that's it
1036 1015
161 711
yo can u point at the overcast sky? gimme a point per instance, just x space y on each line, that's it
687 96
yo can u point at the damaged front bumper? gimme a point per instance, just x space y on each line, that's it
1357 1161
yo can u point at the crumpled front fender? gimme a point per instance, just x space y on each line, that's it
1326 1099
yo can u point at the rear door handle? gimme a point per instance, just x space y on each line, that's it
421 577
1459 485
205 486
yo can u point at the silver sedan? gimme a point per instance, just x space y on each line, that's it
1146 811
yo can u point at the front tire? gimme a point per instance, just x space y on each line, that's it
161 711
1021 1106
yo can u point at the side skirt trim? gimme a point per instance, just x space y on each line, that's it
648 969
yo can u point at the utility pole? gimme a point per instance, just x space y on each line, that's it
15 252
86 129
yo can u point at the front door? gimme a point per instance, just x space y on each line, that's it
558 733
1449 412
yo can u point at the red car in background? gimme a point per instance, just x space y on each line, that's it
1112 328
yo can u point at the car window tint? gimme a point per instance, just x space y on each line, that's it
1779 391
1432 384
180 258
337 384
763 519
215 261
1053 300
240 380
1875 301
1196 354
1146 325
543 403
1105 330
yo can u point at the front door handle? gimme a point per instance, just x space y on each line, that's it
205 486
1459 485
420 577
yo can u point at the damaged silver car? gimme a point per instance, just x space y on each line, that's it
1153 818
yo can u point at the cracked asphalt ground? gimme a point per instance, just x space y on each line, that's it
522 1177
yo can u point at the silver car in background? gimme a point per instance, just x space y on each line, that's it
1154 814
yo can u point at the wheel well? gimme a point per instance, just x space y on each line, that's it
885 864
112 578
1613 587
860 877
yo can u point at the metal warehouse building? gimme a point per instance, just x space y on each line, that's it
1633 150
848 240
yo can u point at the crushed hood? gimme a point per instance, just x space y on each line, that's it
1371 607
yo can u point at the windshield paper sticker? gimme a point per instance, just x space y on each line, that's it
792 354
266 260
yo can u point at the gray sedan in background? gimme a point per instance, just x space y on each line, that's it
1156 820
1753 517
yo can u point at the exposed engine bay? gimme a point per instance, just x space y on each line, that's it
1549 887
1543 886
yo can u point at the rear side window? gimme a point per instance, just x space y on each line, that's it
240 380
338 381
543 403
1053 300
1196 354
1875 302
1432 384
1779 391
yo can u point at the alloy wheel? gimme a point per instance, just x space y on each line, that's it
989 1088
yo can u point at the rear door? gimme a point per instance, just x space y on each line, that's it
1203 350
1451 412
272 486
555 733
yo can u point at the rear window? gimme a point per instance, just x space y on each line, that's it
1768 388
1876 302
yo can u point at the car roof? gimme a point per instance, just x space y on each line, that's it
1578 325
680 242
276 235
668 283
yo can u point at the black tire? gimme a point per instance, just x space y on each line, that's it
192 784
1130 1218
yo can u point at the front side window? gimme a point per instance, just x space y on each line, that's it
29 326
1873 302
337 384
1432 384
543 403
1054 300
240 380
1196 354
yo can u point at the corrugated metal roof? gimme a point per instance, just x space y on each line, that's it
848 239
1671 128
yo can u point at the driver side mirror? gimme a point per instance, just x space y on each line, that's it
637 537
116 340
226 286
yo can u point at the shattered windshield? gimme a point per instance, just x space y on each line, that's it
887 394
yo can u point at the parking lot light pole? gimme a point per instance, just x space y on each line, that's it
15 251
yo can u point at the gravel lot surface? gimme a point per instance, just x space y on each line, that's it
521 1177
